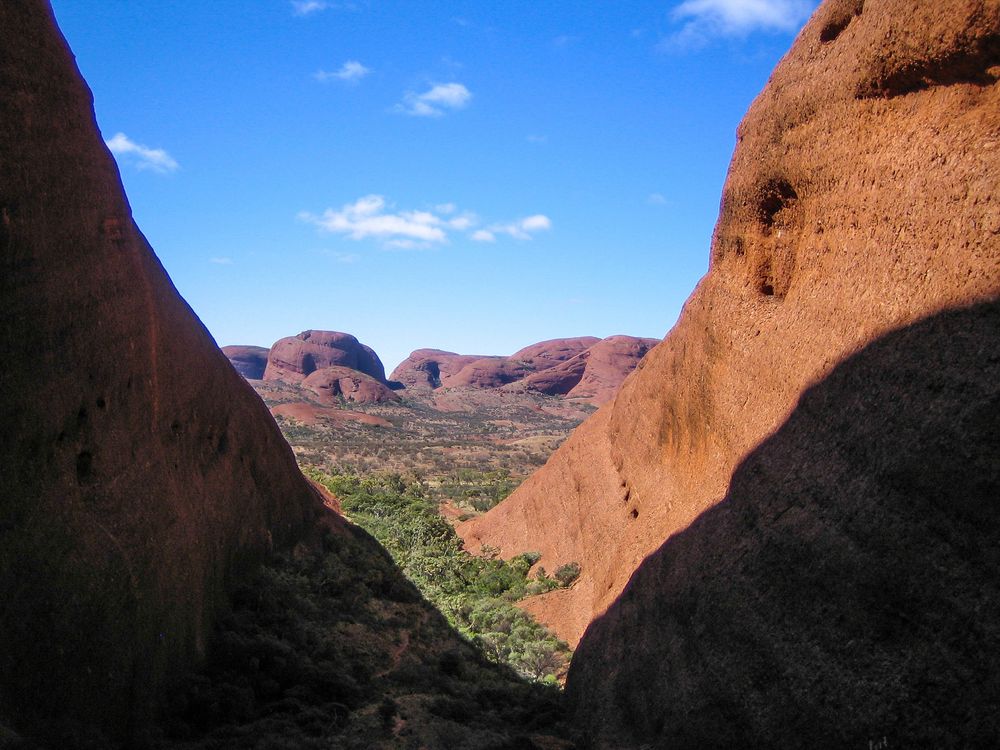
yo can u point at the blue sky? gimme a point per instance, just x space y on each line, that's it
463 175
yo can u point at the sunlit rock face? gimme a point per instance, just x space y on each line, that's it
139 471
861 200
294 358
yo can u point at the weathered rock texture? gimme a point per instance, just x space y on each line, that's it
139 470
861 198
335 384
292 359
249 361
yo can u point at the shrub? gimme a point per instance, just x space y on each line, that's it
567 573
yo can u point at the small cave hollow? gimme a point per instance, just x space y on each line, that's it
84 467
634 513
840 18
775 196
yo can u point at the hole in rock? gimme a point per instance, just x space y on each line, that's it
840 19
634 513
775 196
84 466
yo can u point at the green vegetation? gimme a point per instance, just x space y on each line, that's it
475 594
331 647
478 490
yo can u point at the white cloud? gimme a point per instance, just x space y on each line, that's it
351 71
435 101
367 218
533 138
656 199
307 7
372 217
221 261
141 156
704 19
522 229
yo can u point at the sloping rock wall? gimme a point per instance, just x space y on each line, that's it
139 471
861 198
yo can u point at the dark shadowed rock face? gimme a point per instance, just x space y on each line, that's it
292 359
333 384
847 589
249 361
860 200
140 472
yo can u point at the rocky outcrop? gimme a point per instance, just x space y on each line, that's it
424 369
140 472
335 384
595 374
584 367
488 372
249 361
292 359
861 199
546 354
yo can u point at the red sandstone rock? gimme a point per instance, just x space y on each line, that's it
333 384
425 368
249 361
140 472
292 359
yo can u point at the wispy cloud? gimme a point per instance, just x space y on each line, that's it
703 20
221 261
308 7
656 199
535 138
436 101
521 229
351 71
372 217
142 157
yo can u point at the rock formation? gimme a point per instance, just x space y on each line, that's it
585 367
426 368
596 373
488 372
861 200
292 359
140 472
334 384
249 361
546 354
